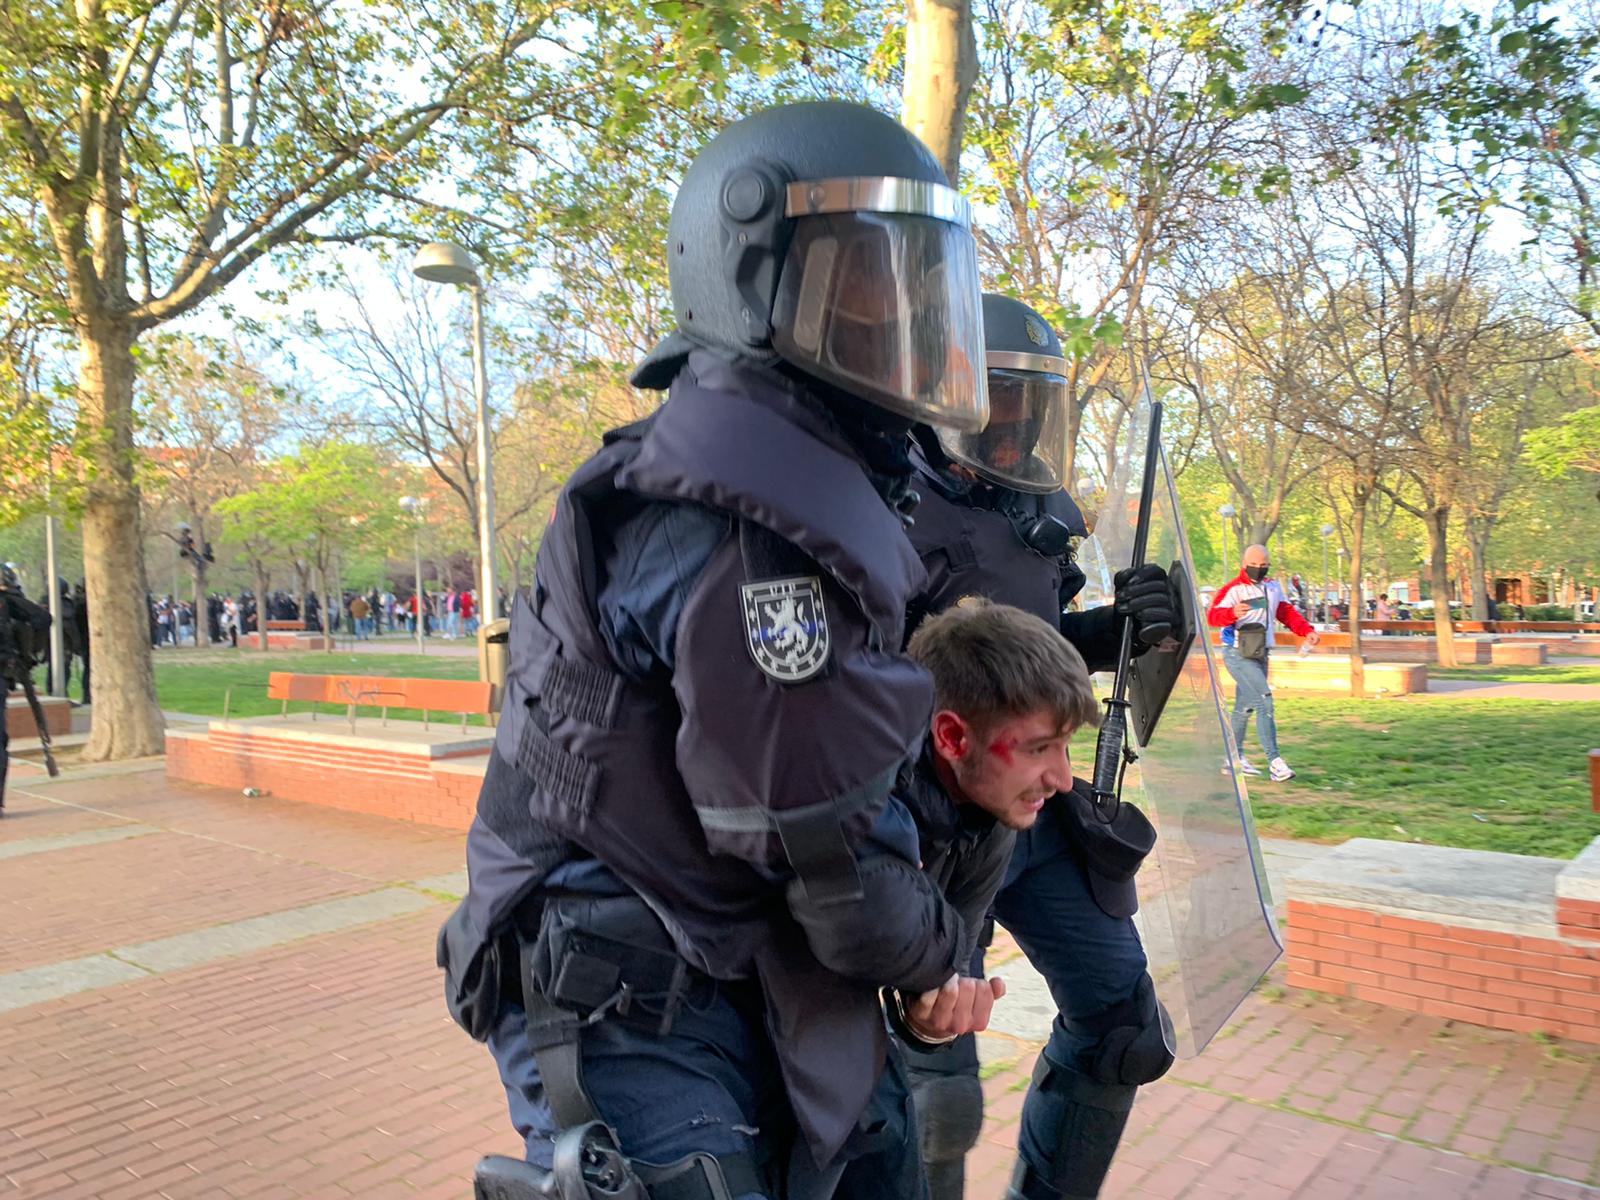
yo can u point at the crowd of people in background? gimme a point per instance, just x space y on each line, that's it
449 614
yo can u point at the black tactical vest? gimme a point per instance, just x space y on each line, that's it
969 550
701 789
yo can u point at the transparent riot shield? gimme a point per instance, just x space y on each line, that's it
1204 909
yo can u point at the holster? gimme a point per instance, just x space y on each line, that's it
609 955
592 959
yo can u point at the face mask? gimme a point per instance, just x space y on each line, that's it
1255 574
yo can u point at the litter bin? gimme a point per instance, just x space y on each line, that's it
492 658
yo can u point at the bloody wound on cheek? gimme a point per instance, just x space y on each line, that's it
1002 749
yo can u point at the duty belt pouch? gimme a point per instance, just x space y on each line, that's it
474 973
604 956
1252 642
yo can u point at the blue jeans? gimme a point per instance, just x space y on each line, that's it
1252 692
1091 961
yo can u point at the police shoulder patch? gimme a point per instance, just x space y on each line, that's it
786 627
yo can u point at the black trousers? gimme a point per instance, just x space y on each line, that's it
5 742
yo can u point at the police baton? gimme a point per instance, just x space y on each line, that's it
1112 753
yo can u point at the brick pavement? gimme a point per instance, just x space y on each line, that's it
325 1066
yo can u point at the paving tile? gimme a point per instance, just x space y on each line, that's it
326 1067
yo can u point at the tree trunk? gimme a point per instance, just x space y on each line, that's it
1358 533
199 592
1478 547
327 611
127 717
261 608
1438 522
1074 428
941 67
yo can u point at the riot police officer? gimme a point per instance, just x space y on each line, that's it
23 627
687 877
995 521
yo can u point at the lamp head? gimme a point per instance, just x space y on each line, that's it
445 262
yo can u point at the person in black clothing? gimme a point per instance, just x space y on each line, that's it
78 635
23 627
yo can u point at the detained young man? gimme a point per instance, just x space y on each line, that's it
1009 693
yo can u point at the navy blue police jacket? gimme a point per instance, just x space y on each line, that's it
707 698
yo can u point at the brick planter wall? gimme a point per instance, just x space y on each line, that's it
1579 919
1503 940
439 791
286 641
1501 980
19 717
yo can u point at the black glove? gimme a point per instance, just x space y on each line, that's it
1145 594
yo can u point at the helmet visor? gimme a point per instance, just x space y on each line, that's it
886 305
1024 446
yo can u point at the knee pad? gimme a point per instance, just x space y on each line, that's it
1134 1049
1083 1121
949 1113
1088 1107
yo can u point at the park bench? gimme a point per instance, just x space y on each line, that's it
1502 626
1390 626
285 626
464 697
408 770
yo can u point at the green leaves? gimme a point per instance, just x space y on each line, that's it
1083 337
1572 446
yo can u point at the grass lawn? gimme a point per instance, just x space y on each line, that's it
1555 672
198 684
1506 775
1406 770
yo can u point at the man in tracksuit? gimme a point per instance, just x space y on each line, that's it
1246 609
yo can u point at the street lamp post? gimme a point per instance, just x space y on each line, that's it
414 506
58 657
1327 532
445 262
1227 512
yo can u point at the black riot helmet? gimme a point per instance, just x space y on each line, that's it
1024 446
9 582
825 237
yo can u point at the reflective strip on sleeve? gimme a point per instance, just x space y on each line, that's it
812 837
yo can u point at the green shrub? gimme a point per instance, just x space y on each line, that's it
1549 612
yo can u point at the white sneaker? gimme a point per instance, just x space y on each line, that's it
1246 767
1280 770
